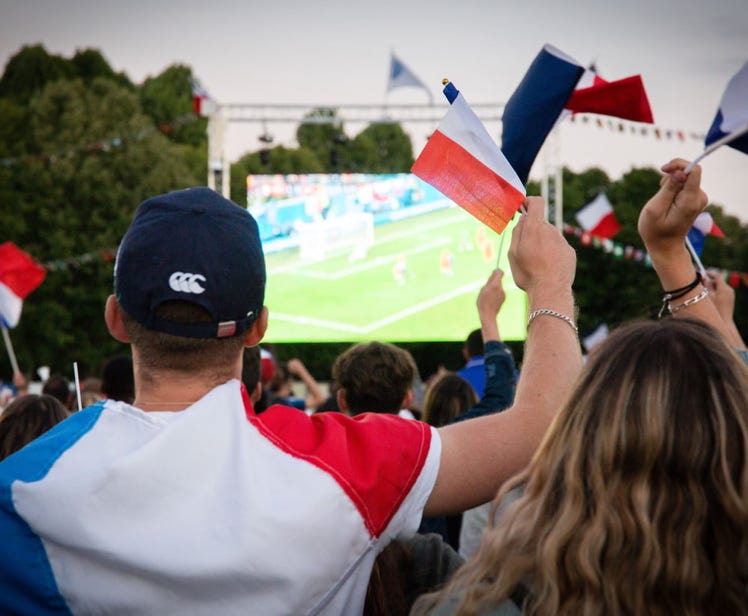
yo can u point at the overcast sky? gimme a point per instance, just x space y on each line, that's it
333 52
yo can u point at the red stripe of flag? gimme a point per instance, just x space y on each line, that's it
452 170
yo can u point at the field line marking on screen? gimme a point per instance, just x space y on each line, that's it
366 329
389 237
301 320
430 303
372 263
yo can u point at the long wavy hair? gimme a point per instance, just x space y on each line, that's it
637 500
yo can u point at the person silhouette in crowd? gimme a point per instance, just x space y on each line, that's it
26 418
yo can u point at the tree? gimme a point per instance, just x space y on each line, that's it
276 160
99 157
382 148
319 132
28 71
90 64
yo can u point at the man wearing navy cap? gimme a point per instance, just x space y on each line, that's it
187 502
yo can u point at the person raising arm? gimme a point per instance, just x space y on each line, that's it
543 264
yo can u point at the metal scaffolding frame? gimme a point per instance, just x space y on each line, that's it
353 114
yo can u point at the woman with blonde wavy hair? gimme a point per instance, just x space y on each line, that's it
637 500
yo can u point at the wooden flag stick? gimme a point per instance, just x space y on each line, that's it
696 259
11 352
77 384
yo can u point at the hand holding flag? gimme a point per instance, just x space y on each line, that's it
463 162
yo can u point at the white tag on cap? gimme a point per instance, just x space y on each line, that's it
226 328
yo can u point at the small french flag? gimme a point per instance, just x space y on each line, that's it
598 218
703 225
730 125
19 276
463 162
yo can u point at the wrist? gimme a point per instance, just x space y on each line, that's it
674 268
561 299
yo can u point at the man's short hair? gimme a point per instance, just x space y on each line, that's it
117 379
251 368
58 387
474 343
374 376
162 351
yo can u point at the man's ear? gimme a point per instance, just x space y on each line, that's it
342 402
408 400
257 331
113 318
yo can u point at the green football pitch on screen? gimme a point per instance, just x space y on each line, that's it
416 280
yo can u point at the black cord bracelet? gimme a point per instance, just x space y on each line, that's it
675 294
678 293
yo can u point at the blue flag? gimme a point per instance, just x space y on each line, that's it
532 111
732 115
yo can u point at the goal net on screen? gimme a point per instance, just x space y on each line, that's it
353 233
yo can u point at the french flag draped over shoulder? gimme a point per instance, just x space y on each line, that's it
732 115
533 108
19 276
598 218
703 225
462 161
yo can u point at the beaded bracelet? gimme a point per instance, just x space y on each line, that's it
689 302
552 313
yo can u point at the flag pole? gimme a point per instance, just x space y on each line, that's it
696 259
713 146
11 352
77 384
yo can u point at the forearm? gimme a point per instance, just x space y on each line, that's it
315 396
552 357
675 270
502 444
499 392
488 326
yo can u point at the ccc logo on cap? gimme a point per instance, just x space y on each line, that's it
187 283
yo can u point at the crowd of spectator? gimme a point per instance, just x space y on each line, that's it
205 474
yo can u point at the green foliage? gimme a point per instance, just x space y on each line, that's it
168 97
13 128
276 160
90 64
319 138
382 148
28 71
76 198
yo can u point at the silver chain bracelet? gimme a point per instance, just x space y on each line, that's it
552 313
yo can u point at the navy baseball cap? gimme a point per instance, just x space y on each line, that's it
196 246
